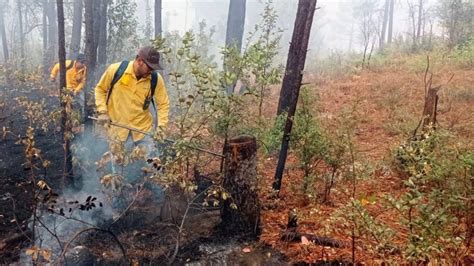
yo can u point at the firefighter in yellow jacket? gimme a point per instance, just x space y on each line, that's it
76 72
127 101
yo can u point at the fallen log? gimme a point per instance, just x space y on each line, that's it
318 240
291 234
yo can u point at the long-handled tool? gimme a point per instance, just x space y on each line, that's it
151 135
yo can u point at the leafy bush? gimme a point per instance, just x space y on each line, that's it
463 54
379 237
438 186
307 139
321 155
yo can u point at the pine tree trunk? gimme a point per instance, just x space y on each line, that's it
52 33
384 25
102 45
91 59
67 174
46 65
296 55
390 21
240 180
420 21
158 18
76 29
293 76
235 24
96 11
6 55
22 35
234 32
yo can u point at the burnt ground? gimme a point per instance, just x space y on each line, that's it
144 235
16 185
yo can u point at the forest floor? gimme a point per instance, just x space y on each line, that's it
16 186
386 104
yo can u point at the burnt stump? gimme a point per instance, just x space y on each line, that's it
241 213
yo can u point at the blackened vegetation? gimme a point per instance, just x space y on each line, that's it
16 200
240 180
49 199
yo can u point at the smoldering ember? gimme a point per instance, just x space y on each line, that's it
236 132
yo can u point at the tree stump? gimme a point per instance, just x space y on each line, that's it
240 180
430 109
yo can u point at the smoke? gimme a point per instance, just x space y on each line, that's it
86 205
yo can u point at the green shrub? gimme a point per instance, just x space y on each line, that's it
463 54
438 190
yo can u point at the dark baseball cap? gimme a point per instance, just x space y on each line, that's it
151 57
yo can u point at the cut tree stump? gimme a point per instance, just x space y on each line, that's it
430 109
240 180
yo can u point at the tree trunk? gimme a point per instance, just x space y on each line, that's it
453 31
240 180
374 40
102 45
91 57
76 29
52 33
158 18
65 125
296 55
21 33
235 24
420 21
6 55
234 32
384 25
390 21
46 64
430 38
96 9
293 76
364 54
411 15
148 22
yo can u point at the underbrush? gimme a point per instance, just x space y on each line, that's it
398 56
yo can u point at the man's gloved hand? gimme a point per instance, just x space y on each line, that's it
103 119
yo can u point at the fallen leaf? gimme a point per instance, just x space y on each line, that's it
246 250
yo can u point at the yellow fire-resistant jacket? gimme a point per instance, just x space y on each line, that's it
75 78
125 105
